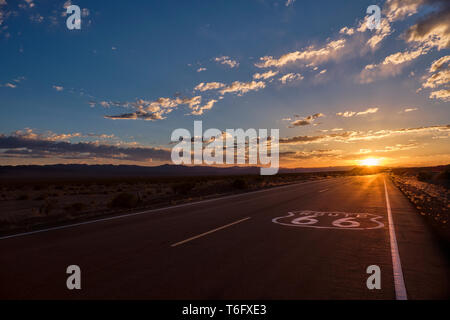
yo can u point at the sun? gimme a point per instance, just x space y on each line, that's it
369 162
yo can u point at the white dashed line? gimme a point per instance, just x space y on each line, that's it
208 232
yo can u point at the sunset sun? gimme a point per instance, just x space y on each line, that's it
369 162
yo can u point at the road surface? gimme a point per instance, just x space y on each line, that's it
312 240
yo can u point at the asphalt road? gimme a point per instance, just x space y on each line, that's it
327 233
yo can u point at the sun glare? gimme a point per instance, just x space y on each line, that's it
369 162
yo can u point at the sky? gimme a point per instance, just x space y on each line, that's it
114 90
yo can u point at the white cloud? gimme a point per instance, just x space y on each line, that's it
209 86
310 54
265 75
441 94
348 114
58 88
305 121
227 61
289 2
289 77
391 65
199 110
347 31
201 69
243 87
10 85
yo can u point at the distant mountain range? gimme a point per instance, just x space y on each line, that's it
99 171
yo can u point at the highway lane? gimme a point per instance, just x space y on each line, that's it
232 248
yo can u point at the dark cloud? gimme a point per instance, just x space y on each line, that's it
142 115
434 25
305 121
14 146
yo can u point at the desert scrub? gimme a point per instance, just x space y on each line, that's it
124 200
240 184
75 207
183 188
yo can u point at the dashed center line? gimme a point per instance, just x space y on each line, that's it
208 232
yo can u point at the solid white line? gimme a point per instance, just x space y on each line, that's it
208 232
399 282
151 211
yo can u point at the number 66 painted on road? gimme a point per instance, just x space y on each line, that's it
330 220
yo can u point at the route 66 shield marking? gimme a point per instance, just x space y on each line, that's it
330 220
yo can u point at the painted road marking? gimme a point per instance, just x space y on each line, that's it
154 210
399 282
330 220
208 232
323 190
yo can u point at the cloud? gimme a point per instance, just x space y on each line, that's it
265 75
28 133
16 146
201 69
227 61
354 136
199 110
391 65
437 64
310 54
399 9
440 76
303 155
348 114
243 87
289 2
437 79
10 85
434 29
58 88
290 77
441 94
209 86
305 121
153 110
410 109
347 31
380 34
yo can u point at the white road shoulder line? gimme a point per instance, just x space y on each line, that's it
208 232
399 282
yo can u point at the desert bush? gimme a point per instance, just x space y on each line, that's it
46 208
124 201
424 176
75 207
23 197
41 197
445 175
240 184
183 188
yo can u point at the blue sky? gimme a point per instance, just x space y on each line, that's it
57 85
